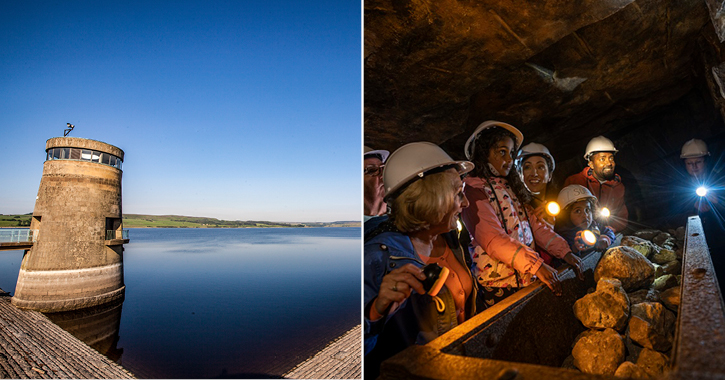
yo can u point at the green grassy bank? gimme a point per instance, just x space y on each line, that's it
178 221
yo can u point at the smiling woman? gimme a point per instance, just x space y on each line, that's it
536 166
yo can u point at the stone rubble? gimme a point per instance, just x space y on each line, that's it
671 298
664 256
628 266
598 352
632 371
646 272
647 234
652 361
643 246
643 295
673 267
607 307
663 239
652 326
665 282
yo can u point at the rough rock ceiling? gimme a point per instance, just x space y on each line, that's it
435 69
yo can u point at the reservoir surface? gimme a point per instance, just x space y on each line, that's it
234 303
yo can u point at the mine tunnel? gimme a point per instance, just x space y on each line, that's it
646 74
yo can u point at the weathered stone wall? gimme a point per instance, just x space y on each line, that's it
70 264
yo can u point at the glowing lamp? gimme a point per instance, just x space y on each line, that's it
552 208
589 237
459 225
604 212
701 191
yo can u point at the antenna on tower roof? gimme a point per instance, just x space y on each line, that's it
66 132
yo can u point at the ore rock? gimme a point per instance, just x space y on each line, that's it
607 307
680 233
632 371
598 352
664 256
673 267
670 244
645 247
661 238
665 282
647 234
671 298
651 325
643 295
652 361
628 266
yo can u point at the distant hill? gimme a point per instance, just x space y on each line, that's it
15 220
178 221
347 223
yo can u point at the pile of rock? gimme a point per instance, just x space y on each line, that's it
631 315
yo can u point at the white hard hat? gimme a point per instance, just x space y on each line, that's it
694 148
534 149
470 143
368 151
573 193
599 144
412 161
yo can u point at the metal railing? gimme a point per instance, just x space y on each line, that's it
116 234
18 235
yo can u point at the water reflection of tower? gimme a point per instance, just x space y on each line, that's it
96 326
77 258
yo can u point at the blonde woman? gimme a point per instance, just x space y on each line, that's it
424 190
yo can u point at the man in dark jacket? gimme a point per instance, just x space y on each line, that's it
600 179
708 204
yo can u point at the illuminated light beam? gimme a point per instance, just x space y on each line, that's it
604 212
553 209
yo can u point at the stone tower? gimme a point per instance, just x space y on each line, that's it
77 259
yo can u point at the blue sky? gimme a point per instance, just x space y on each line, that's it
240 110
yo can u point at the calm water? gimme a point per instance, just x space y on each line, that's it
206 303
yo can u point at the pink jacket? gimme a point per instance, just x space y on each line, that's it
489 239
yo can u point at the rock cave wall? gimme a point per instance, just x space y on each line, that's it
639 72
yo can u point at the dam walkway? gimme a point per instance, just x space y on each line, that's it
17 238
33 347
341 359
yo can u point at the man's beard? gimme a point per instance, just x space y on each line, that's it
608 175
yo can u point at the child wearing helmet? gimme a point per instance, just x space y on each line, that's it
577 222
505 231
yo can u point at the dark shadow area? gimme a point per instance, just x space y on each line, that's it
246 375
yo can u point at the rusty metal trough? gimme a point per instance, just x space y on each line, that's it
528 335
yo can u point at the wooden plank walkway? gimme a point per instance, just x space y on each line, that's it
341 359
33 347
